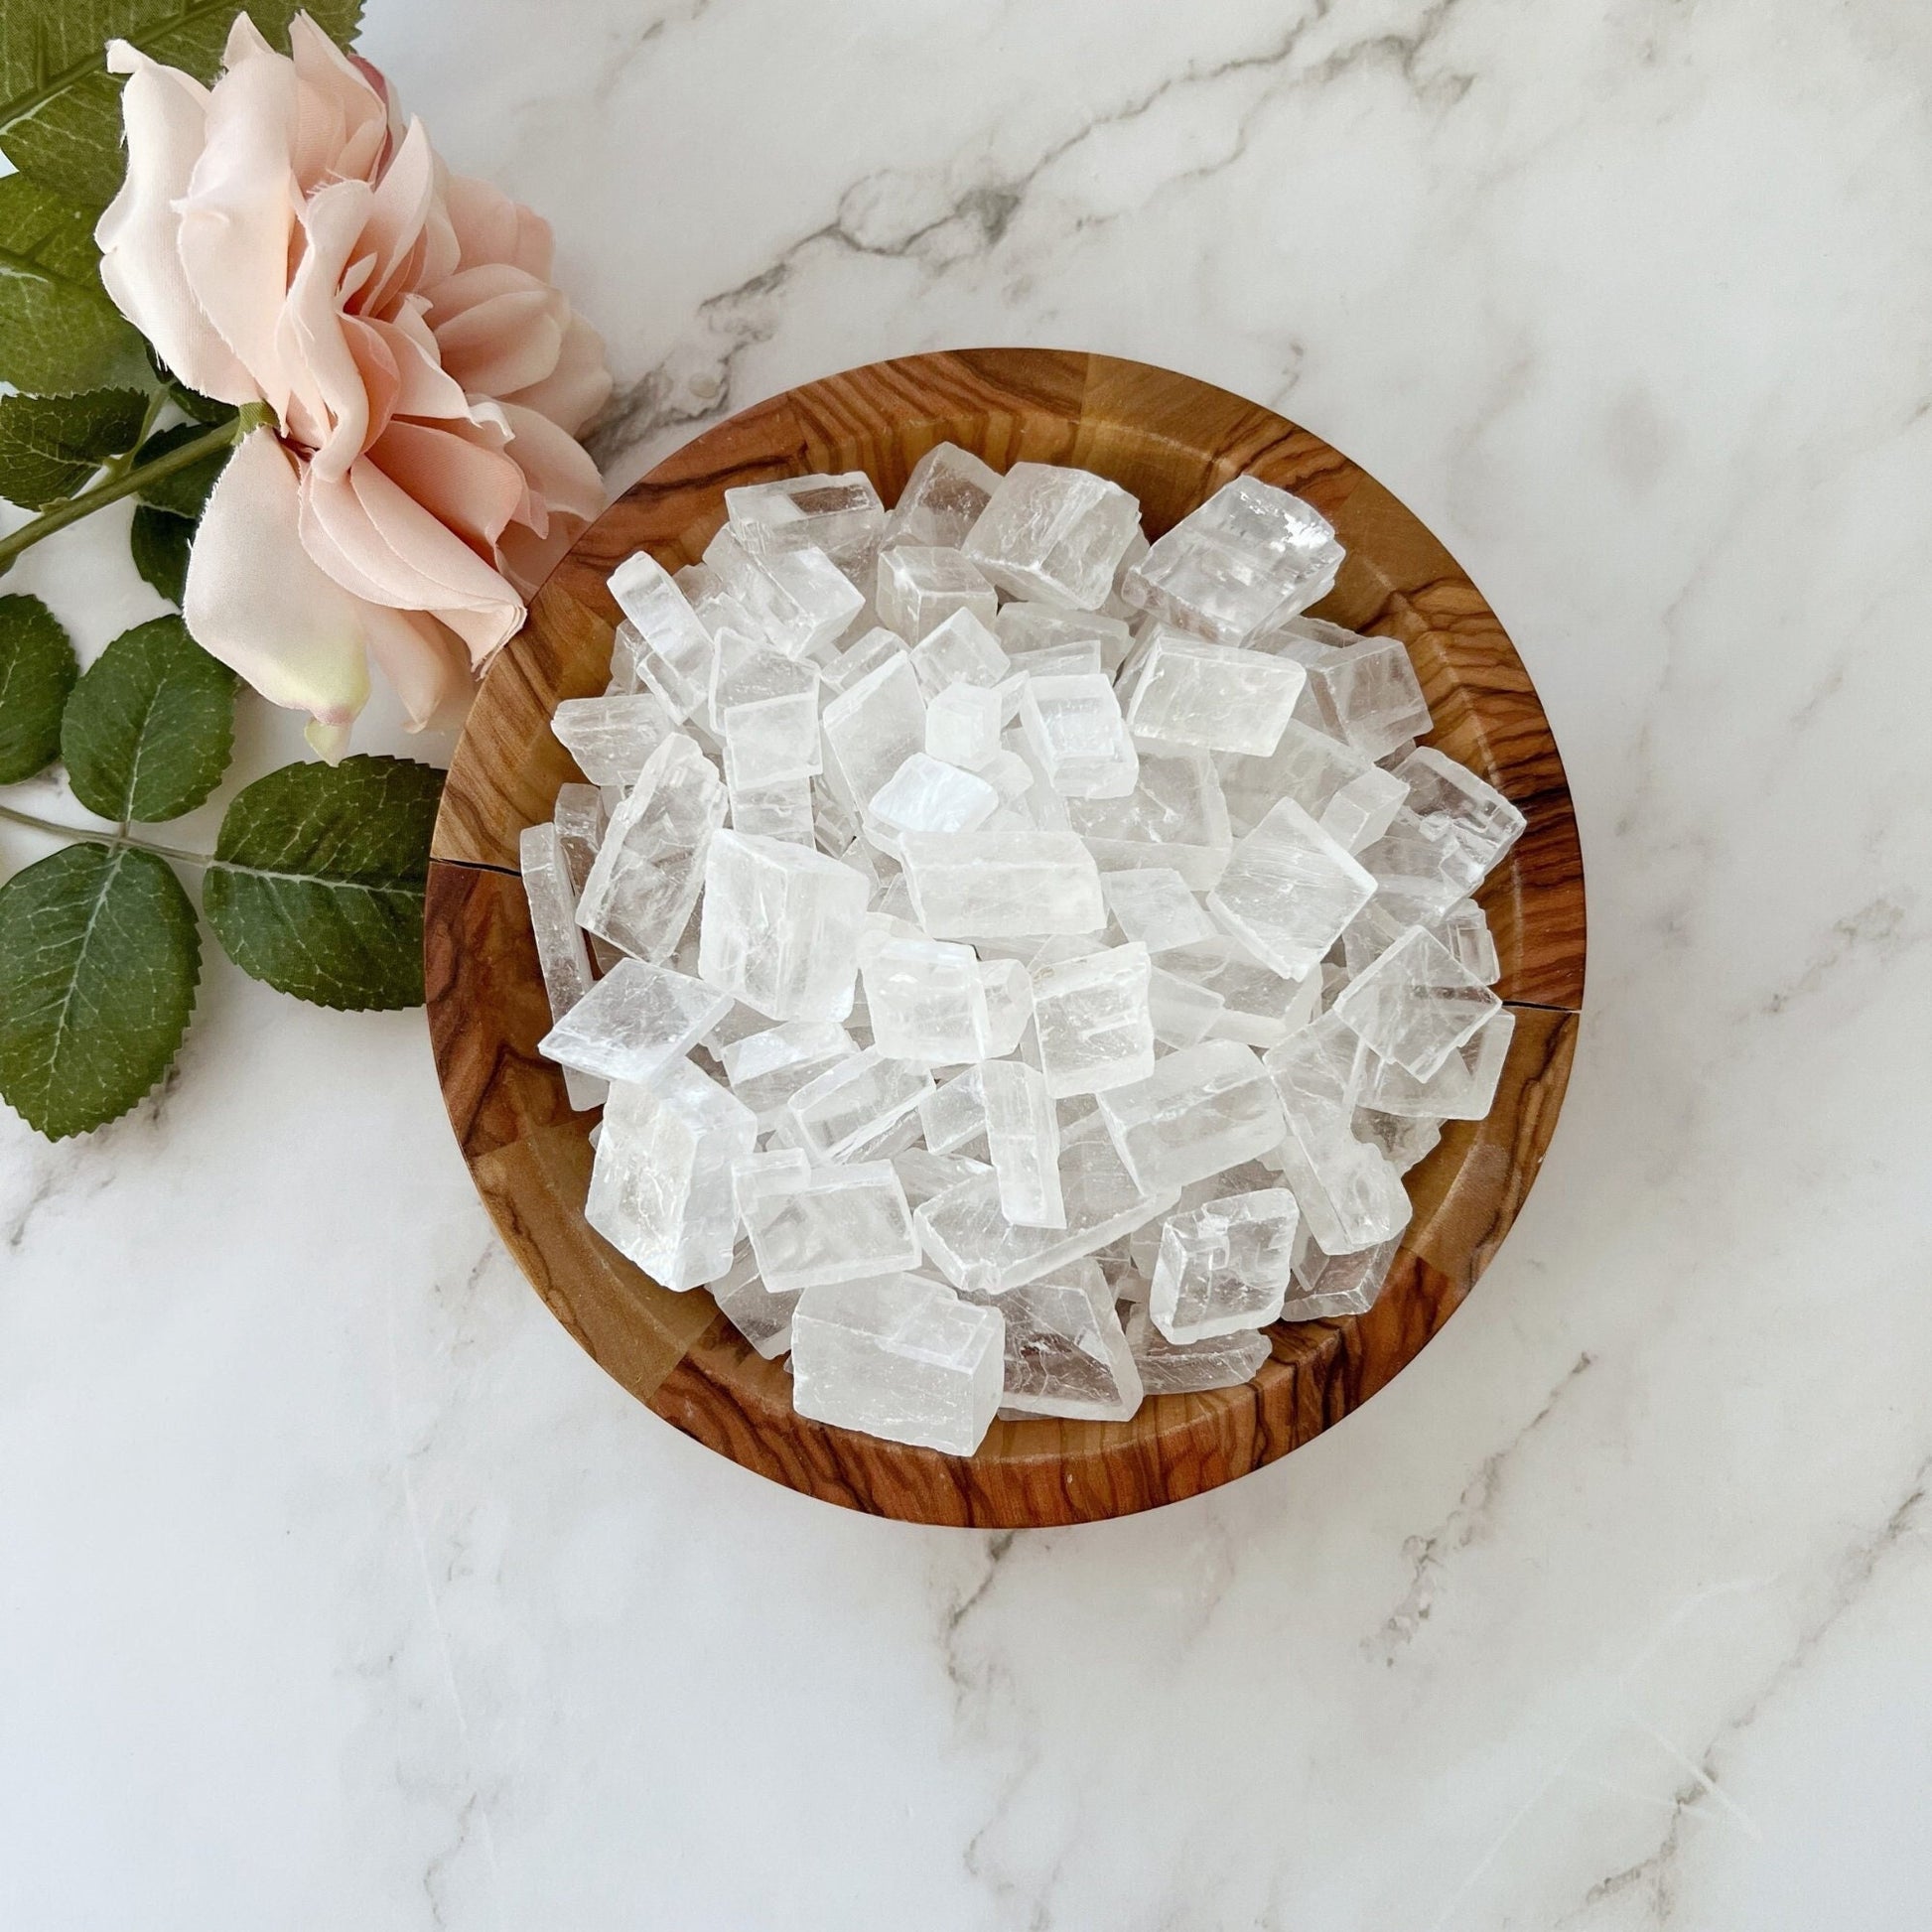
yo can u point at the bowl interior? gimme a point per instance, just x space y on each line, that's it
1172 441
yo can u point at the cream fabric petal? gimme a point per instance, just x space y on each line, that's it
491 227
474 489
560 471
578 387
341 121
423 659
328 404
403 199
165 114
256 600
507 342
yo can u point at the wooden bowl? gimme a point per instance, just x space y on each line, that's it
1172 441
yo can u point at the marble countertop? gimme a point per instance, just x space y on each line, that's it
337 1589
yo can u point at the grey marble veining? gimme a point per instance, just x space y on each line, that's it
340 1589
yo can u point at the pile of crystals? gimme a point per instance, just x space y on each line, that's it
1017 962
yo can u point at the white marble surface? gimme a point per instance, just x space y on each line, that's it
338 1589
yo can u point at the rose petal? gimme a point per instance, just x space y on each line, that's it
328 404
491 227
341 121
498 329
473 489
578 387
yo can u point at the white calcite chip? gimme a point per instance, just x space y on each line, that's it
926 794
1065 1351
809 1225
953 1115
1224 1266
1462 1087
1200 1110
649 868
873 727
1452 800
770 740
798 600
1054 535
780 927
1289 889
1073 724
1416 1005
1092 1019
991 885
1176 816
962 724
660 1189
942 500
760 1317
667 644
634 1021
1022 1133
959 650
1325 1285
853 1102
840 515
1364 690
611 738
920 586
902 1358
1420 870
579 819
1214 697
766 1068
1036 634
1154 904
1190 1368
560 957
775 811
926 997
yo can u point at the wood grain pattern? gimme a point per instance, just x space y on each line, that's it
1172 441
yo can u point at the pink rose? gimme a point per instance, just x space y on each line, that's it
282 237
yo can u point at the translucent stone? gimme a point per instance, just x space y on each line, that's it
873 727
560 957
969 1237
1288 890
1199 1111
854 1100
1175 816
660 1189
959 650
800 599
942 500
718 611
962 724
760 1317
1065 1351
670 646
1092 1020
1450 797
1363 809
1326 1286
902 1359
862 656
1053 534
579 818
1023 1134
988 884
1464 930
634 1023
1462 1087
747 670
1078 736
1059 659
1037 799
1416 1005
1182 1009
767 1069
1041 632
775 811
924 1173
1153 903
1249 557
1191 1368
772 740
920 586
954 1115
611 738
926 794
1366 693
1223 1266
780 927
840 515
1307 765
809 1225
924 998
1212 696
1419 870
1402 1141
650 866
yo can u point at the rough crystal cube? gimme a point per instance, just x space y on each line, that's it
1054 535
840 515
1023 1134
670 646
1092 1022
872 728
1175 816
924 998
942 500
1065 1351
1153 903
772 740
959 650
800 599
1224 1266
1447 797
1199 1111
1326 1286
853 1101
780 927
991 885
1191 1368
1365 692
634 1021
919 587
954 1115
1463 1088
1288 890
1215 697
1416 1004
611 738
767 1069
809 1225
926 794
649 868
1074 726
962 724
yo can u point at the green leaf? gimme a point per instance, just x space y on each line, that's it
203 409
60 108
317 883
58 330
38 668
50 445
150 728
159 542
186 491
98 959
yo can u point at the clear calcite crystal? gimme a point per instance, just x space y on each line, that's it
902 1358
611 738
1022 1133
772 740
1065 1351
649 868
925 794
962 724
760 1317
1325 1285
920 586
660 1190
1464 930
1191 1368
1175 816
1400 1139
1422 870
959 650
1054 535
565 965
853 1101
1463 1088
1223 1266
1183 1011
775 811
1038 632
991 884
579 819
780 927
840 515
668 646
942 500
926 997
1365 692
1212 696
1363 809
1251 556
861 657
1289 889
1199 1111
1074 726
809 1225
1416 1004
1092 1022
767 1069
800 599
924 1173
954 1115
634 1023
1153 903
1449 798
1312 768
872 728
967 1235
